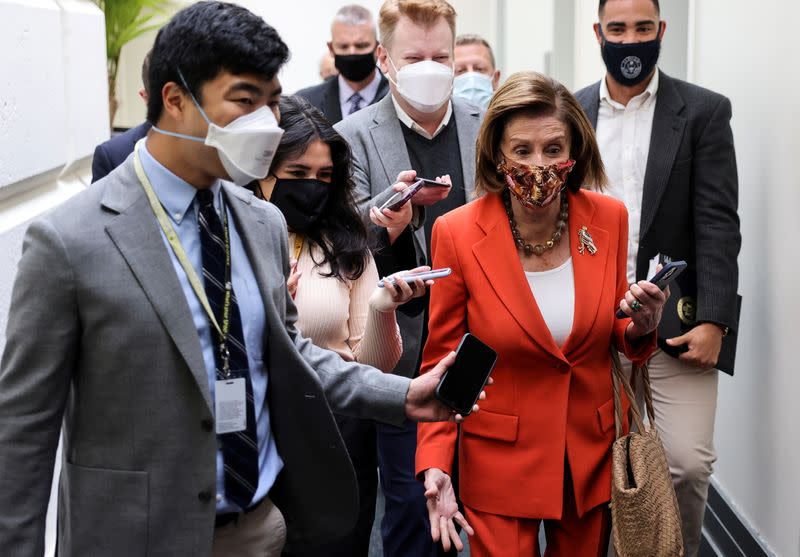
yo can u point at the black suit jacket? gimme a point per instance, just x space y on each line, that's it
112 153
689 203
325 96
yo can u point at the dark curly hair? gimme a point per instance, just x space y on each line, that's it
339 232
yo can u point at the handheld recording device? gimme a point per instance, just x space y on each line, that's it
426 275
402 197
666 275
462 383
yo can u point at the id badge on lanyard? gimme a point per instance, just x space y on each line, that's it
230 393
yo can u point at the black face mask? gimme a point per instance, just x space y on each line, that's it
630 63
355 67
302 201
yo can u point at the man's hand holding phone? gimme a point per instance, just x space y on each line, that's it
432 193
422 405
395 221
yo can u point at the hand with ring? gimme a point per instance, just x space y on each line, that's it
643 303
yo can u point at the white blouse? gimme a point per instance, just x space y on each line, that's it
554 291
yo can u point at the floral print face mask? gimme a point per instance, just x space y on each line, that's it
535 186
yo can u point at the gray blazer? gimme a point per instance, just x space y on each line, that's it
379 155
100 335
689 202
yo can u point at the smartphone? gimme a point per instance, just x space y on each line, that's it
666 275
462 383
433 183
402 197
425 275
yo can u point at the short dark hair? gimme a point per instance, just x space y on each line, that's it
603 5
206 38
339 232
471 38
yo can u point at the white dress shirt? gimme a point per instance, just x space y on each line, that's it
623 135
367 93
409 122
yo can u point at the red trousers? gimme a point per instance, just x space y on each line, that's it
508 536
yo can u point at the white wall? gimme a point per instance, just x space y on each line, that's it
588 64
756 65
53 111
30 37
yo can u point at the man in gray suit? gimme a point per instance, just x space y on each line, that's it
668 149
419 129
150 317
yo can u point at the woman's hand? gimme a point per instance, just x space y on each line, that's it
398 292
294 278
443 510
395 221
644 303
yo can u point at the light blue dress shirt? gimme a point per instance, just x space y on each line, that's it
178 199
368 93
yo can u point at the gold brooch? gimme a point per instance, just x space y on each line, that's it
585 242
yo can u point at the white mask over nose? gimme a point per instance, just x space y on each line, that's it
424 85
246 146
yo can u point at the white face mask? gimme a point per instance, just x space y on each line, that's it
246 146
424 85
474 87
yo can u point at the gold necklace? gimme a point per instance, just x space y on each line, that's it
538 249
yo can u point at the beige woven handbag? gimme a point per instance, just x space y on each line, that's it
644 509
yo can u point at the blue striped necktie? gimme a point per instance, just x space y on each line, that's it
239 449
355 101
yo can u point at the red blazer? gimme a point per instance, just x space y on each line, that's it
547 404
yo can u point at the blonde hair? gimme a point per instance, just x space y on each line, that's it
537 94
422 12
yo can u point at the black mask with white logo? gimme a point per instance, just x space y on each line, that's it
630 63
302 201
355 67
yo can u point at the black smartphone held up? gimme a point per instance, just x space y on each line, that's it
433 183
402 197
666 275
462 383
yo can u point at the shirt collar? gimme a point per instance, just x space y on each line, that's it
368 93
410 123
646 95
175 194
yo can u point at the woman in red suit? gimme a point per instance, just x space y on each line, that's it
538 274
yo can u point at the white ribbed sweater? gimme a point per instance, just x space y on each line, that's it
336 314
